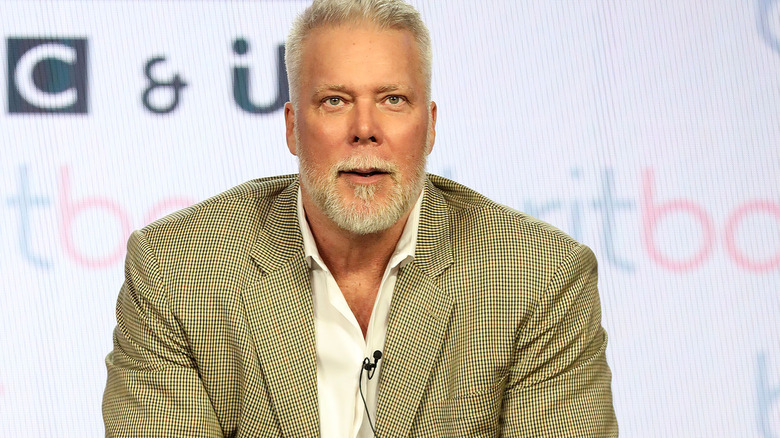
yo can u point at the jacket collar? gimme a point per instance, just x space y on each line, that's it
280 315
419 315
279 237
433 253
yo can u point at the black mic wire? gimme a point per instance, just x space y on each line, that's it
370 368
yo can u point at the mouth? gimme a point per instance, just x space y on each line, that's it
364 173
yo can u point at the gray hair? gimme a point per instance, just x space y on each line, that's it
385 14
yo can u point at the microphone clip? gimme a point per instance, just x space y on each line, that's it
369 366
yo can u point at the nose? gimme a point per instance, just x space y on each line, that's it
366 125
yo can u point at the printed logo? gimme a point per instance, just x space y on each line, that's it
768 401
47 75
769 22
609 207
30 206
241 84
173 85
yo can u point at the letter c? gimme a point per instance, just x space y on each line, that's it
23 76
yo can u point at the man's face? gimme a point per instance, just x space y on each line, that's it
362 127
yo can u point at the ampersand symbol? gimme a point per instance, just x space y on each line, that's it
174 85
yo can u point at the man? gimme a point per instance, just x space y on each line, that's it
254 312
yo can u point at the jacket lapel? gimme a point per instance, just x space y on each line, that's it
419 314
280 313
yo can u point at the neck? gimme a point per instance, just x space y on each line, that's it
345 252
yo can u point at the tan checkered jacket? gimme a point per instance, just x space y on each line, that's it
494 328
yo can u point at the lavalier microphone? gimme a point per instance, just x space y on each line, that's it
370 368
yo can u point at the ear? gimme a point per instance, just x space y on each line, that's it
289 121
432 133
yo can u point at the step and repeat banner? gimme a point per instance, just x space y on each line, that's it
649 130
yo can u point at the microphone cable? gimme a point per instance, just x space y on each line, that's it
370 369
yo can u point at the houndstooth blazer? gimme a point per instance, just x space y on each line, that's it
494 328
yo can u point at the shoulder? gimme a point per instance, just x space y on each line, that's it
245 202
476 218
239 208
502 255
206 249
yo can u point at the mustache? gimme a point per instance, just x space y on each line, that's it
366 162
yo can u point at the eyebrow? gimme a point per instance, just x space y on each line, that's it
330 87
388 88
343 88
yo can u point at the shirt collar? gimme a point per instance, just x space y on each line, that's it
404 250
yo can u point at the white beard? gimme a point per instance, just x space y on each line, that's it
364 214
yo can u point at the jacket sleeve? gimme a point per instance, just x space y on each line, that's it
153 387
559 382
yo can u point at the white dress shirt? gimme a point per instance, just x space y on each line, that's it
341 347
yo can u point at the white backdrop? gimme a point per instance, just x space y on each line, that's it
649 130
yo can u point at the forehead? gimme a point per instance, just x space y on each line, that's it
360 52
